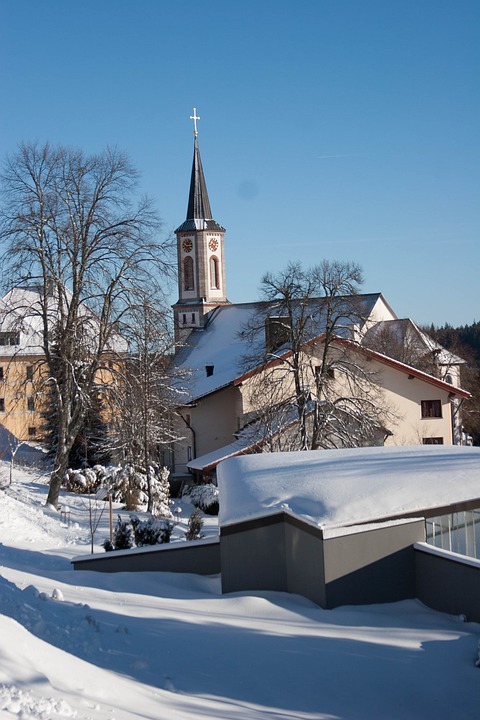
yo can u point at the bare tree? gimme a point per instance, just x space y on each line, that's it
148 390
74 230
312 387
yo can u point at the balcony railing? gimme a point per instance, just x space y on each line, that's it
458 532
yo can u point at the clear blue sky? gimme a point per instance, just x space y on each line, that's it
339 129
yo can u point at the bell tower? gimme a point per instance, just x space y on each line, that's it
200 255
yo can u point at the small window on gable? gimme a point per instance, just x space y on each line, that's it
31 403
431 409
188 280
329 373
433 441
32 432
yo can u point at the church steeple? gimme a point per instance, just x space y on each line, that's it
200 252
199 213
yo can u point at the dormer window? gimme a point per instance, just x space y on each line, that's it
277 332
209 370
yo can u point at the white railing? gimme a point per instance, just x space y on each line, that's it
458 532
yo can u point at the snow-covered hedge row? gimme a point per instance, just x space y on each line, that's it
127 533
205 497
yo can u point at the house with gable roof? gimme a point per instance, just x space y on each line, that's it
218 418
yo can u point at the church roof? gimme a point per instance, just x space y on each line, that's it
199 213
225 344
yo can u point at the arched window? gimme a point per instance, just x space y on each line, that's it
214 273
188 282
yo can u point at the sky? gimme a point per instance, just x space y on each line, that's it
150 646
333 129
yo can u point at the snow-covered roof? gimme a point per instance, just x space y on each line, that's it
225 344
406 331
348 487
21 313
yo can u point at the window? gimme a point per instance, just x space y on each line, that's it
189 453
433 441
214 273
1 373
2 404
184 318
32 432
431 409
31 403
29 372
188 282
329 373
9 338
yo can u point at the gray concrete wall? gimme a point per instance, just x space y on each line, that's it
304 560
365 565
252 555
371 565
448 583
202 558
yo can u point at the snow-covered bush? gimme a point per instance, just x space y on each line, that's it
160 490
151 531
122 536
204 497
128 485
127 533
195 525
82 481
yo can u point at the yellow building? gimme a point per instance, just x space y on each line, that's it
23 368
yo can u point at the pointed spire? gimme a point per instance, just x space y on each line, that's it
198 202
199 213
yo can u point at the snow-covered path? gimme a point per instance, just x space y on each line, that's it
158 645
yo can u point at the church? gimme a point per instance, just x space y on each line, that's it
225 405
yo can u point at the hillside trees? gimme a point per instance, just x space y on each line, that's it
311 389
73 228
465 342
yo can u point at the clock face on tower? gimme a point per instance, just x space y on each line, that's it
213 244
187 245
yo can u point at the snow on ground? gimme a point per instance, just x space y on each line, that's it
345 487
150 646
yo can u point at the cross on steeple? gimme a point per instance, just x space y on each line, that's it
195 117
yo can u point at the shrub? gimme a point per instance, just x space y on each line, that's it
122 536
134 531
204 497
151 531
82 481
195 525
